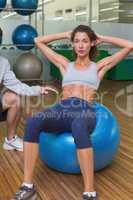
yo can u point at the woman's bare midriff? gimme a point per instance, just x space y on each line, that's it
81 91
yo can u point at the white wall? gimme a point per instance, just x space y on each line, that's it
62 5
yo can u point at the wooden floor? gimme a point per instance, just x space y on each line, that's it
113 183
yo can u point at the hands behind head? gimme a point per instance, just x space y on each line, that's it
47 89
38 39
98 40
69 33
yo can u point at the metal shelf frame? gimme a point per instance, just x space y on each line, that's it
31 18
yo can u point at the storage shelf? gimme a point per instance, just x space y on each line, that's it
20 9
17 45
11 46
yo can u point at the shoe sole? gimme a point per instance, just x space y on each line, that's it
32 198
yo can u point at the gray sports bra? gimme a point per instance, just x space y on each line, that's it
88 76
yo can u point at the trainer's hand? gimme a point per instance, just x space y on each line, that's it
46 89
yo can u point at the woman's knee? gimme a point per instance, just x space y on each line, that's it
81 134
32 129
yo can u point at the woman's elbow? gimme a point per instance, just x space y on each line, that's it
130 46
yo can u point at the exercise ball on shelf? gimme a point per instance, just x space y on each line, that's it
22 6
23 36
28 66
58 150
2 4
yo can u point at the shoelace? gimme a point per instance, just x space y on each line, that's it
13 139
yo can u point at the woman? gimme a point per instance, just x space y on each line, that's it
75 111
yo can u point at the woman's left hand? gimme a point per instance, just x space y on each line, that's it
99 39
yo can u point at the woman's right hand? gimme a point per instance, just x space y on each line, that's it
38 39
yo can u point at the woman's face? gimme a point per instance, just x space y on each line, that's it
82 44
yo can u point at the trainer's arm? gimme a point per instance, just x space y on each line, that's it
12 83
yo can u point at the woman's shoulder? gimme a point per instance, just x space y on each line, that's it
70 63
94 63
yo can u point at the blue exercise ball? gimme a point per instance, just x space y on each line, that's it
58 151
2 4
23 37
22 6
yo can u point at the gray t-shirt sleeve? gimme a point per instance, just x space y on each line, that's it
11 82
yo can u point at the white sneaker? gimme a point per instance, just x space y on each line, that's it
15 144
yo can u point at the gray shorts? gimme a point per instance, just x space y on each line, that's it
3 113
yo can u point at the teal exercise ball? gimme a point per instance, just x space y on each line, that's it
2 4
25 7
23 36
58 151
